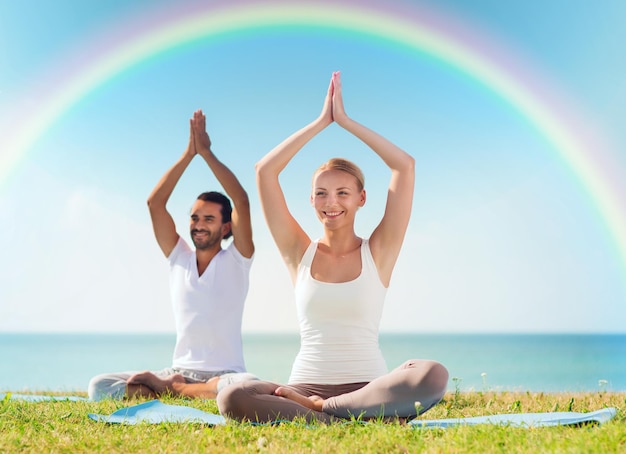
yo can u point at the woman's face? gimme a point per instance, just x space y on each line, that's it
336 197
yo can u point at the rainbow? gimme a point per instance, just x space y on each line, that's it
420 31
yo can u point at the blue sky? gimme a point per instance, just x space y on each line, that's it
503 238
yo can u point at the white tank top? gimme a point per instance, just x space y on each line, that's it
339 325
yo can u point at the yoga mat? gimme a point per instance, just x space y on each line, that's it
39 397
523 419
155 412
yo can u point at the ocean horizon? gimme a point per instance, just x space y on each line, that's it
480 362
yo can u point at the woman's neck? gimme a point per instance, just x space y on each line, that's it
340 243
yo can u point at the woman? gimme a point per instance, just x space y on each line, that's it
340 283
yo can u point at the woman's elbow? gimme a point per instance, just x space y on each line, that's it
408 165
263 171
260 168
410 162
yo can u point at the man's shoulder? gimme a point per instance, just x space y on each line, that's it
180 251
231 252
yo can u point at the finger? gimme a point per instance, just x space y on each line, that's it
337 80
337 96
196 117
192 137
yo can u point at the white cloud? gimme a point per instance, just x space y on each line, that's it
83 265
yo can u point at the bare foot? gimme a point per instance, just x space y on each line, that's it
157 384
314 402
206 390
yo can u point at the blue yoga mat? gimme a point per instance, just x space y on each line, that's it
155 412
39 397
523 419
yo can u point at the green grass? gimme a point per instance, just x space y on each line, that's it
65 427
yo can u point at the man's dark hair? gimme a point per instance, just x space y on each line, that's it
227 209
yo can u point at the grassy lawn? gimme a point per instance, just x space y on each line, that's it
65 427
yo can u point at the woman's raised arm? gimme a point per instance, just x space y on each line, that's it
387 238
290 238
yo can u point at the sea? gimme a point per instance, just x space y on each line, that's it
486 362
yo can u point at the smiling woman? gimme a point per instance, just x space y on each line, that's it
340 283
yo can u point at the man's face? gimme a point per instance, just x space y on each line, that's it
206 227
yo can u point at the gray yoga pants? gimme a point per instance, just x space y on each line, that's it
413 387
113 385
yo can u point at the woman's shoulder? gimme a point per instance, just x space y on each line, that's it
309 252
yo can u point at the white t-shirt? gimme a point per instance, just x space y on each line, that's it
208 309
339 325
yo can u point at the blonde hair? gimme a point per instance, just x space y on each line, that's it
345 166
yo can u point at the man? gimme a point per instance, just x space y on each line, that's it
208 286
